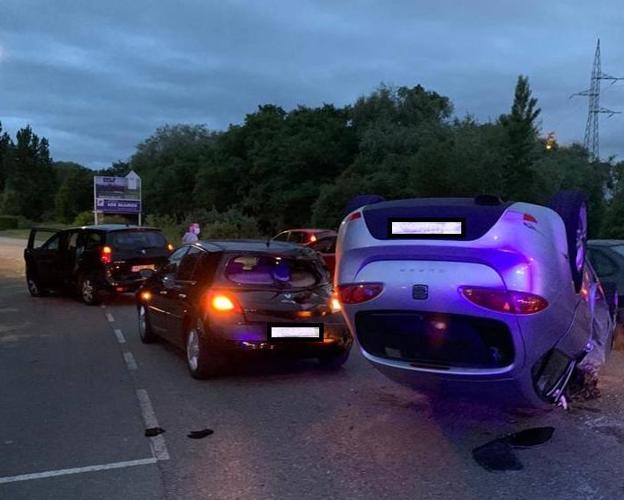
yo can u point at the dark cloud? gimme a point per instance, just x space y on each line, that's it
99 77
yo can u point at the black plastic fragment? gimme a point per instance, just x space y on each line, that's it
530 437
200 434
496 455
153 431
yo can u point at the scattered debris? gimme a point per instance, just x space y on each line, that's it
498 455
153 431
583 385
200 434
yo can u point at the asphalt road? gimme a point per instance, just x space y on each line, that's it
78 389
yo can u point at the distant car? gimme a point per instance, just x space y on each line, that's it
607 258
304 237
474 297
215 299
326 246
92 259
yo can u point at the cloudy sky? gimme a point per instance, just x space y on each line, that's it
97 77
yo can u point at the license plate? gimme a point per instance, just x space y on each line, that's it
296 331
136 269
422 228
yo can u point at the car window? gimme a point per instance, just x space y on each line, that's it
603 265
93 240
282 236
618 249
187 264
270 271
325 245
52 243
135 240
206 267
174 260
297 237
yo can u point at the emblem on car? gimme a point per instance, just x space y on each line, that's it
420 292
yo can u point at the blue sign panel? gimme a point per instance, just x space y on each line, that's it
118 206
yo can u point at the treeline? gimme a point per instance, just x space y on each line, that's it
281 169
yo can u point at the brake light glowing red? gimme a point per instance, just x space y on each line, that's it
106 255
358 292
504 300
223 303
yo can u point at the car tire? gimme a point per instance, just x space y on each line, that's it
334 360
572 208
201 360
88 290
33 285
146 334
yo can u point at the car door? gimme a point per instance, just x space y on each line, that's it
43 256
180 293
161 285
68 255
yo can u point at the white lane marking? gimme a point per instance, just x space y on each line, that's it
9 310
159 447
78 470
110 318
130 360
120 336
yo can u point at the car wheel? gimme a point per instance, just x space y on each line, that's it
145 328
34 288
201 361
89 292
335 360
572 208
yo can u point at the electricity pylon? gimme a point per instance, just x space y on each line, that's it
592 138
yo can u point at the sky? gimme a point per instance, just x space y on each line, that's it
98 77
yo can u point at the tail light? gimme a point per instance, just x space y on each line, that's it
358 292
354 216
170 247
505 301
223 303
334 304
312 238
106 255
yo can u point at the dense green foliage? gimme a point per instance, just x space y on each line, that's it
280 169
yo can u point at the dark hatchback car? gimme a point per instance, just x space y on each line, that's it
215 299
92 260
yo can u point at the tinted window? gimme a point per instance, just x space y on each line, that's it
325 245
603 265
270 271
174 260
282 236
52 243
188 263
93 239
136 240
206 267
298 237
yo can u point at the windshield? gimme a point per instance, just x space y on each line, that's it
133 240
271 271
618 249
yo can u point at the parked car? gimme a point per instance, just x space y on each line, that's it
474 297
92 259
607 258
215 299
326 246
303 236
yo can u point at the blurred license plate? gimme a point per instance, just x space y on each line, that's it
136 269
435 228
290 332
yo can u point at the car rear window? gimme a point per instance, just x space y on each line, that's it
133 240
254 270
619 249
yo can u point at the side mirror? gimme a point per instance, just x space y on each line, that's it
146 273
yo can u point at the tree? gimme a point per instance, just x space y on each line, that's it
75 194
520 126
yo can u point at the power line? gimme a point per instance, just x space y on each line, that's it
592 137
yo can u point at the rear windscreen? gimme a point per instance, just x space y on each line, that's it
254 270
134 240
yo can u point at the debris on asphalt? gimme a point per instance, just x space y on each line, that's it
583 385
200 434
498 454
153 431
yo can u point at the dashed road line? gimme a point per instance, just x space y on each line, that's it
159 447
110 318
120 336
130 361
78 470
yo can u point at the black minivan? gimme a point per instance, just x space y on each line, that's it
92 259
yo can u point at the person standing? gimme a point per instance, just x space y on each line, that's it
192 235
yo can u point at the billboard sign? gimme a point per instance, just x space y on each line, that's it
117 195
